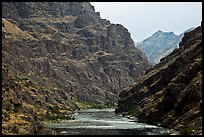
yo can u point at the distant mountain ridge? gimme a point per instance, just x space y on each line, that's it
170 93
160 44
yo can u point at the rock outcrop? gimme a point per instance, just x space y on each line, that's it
160 44
60 53
170 93
70 45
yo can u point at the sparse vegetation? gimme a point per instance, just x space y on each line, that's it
174 89
134 112
54 115
186 131
92 105
49 57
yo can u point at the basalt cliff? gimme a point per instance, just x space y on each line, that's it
58 55
170 93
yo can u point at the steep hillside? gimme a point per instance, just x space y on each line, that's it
170 93
160 44
59 55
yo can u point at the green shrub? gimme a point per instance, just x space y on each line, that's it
17 107
134 112
93 105
55 117
186 131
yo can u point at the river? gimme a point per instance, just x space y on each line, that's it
104 122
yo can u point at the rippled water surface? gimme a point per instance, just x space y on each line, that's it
104 122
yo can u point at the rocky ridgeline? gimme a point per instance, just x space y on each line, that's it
170 93
73 48
56 54
160 44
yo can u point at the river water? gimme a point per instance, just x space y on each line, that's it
104 122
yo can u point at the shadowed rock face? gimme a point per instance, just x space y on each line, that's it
66 46
170 93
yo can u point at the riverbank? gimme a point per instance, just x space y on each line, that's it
135 119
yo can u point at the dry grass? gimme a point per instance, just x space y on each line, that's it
10 28
15 31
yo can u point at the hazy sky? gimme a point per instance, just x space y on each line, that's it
142 19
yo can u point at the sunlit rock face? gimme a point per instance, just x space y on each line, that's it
58 55
68 48
160 44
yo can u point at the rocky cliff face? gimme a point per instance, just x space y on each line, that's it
160 44
59 53
170 93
